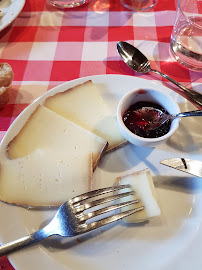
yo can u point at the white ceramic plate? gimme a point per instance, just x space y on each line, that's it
11 8
172 241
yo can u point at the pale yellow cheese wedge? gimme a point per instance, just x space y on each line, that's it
46 177
46 129
52 161
84 106
141 182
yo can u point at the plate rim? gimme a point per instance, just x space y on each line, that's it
13 16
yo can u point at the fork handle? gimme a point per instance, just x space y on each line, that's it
23 242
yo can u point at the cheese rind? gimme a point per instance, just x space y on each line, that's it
84 106
142 184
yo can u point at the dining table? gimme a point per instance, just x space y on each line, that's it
47 46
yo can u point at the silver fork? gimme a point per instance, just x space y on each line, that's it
70 219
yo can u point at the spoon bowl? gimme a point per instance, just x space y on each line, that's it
154 118
139 62
133 57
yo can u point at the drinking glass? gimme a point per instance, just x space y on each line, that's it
66 3
138 5
186 38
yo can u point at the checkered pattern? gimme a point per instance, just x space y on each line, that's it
47 47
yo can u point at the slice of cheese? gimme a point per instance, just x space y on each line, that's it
46 177
142 184
84 106
46 129
52 161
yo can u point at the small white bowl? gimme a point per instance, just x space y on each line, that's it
156 96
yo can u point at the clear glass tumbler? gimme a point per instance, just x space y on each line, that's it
186 39
139 5
66 3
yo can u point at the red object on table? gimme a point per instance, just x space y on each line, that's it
47 47
5 264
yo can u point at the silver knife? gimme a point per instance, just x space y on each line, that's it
193 167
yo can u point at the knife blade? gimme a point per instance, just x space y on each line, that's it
193 167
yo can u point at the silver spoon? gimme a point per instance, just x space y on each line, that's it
154 118
138 62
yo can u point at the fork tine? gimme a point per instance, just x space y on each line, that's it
97 192
113 218
107 199
106 210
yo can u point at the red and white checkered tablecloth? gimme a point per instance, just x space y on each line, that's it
46 47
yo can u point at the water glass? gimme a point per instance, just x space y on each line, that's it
66 3
186 39
138 5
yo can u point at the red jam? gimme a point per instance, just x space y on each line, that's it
137 124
